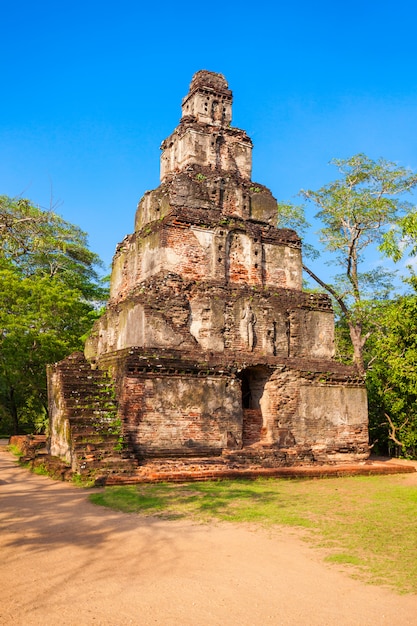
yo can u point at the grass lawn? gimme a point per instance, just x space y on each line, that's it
367 524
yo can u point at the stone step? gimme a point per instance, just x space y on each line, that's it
95 439
89 403
92 417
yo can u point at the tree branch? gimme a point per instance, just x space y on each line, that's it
328 288
392 431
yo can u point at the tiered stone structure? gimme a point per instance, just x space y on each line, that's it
213 347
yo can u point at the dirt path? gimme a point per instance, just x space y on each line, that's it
65 561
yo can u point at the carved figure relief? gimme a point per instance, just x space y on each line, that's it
248 327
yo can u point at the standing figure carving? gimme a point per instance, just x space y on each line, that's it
248 326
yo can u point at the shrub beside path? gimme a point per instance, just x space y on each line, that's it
65 561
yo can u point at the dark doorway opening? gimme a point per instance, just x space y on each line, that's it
246 391
253 380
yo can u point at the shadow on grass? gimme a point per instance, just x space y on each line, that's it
246 501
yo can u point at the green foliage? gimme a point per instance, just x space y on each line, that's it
360 207
80 480
41 243
49 294
392 377
364 522
293 216
40 470
15 450
402 237
358 210
343 342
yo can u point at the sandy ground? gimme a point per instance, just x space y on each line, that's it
65 561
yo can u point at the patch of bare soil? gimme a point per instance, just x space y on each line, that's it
65 561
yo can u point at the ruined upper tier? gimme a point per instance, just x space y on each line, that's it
207 220
204 136
206 164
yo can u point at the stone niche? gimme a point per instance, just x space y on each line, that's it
208 347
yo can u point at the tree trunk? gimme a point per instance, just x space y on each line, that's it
13 412
355 330
358 342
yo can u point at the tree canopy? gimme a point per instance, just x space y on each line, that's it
362 209
50 292
40 243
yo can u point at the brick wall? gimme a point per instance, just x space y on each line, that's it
180 415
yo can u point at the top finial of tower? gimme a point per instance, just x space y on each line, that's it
204 78
209 100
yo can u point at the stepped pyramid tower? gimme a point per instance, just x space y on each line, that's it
208 348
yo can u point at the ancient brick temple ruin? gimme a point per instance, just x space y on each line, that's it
209 349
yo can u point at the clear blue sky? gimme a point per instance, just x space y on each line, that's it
90 89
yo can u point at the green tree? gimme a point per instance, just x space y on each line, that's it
49 295
359 211
41 243
392 376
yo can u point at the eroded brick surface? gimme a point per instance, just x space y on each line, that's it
212 348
